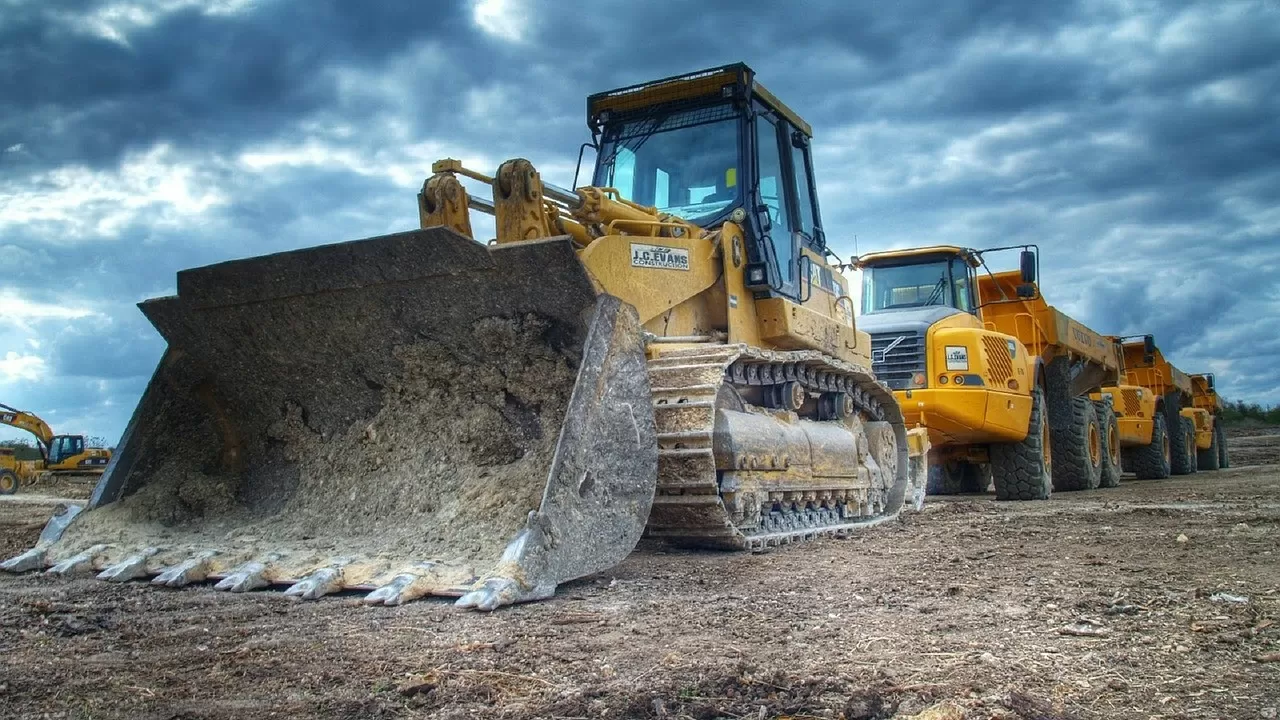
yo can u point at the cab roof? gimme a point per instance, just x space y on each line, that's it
694 86
907 253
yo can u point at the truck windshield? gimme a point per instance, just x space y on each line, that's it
893 287
685 163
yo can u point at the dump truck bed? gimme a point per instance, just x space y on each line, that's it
1159 376
1045 330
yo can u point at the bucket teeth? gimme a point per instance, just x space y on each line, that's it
32 559
249 576
132 567
498 591
317 584
401 589
188 571
79 561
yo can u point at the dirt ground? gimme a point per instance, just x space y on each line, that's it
1158 599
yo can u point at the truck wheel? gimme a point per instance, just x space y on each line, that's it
953 478
1182 450
1189 432
1209 459
1221 436
8 482
1152 461
1023 470
1111 462
1077 449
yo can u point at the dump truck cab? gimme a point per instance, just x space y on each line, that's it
967 383
971 385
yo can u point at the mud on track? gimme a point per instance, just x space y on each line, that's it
963 604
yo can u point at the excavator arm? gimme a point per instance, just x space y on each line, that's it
29 422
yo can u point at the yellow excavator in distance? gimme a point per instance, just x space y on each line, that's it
666 352
62 455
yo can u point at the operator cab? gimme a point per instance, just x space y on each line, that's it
936 277
710 147
62 447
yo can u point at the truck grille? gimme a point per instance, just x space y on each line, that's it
896 356
999 366
1131 402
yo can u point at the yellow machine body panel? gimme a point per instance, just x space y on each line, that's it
1203 422
974 389
684 288
1134 407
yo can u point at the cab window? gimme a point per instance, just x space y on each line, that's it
804 196
773 194
963 285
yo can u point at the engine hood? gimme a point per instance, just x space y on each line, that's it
904 320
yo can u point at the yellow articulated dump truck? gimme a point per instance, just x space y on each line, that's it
1000 379
667 351
1141 425
1166 393
1211 440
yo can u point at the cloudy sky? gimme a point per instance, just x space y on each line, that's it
1136 142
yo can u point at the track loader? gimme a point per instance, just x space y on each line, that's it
666 352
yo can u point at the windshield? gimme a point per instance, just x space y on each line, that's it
893 287
684 163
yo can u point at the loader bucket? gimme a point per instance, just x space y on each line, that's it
413 414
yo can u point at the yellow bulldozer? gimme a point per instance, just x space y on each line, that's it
62 456
666 352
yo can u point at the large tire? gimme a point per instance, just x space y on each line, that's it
1078 449
1151 462
1112 464
1209 459
954 478
1189 433
1224 462
8 482
1182 452
1023 470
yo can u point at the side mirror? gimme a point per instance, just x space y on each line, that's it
1209 380
1028 266
1149 345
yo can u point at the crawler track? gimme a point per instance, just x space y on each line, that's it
708 496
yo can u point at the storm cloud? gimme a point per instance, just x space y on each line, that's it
1134 142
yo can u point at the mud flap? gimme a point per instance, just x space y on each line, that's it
410 414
